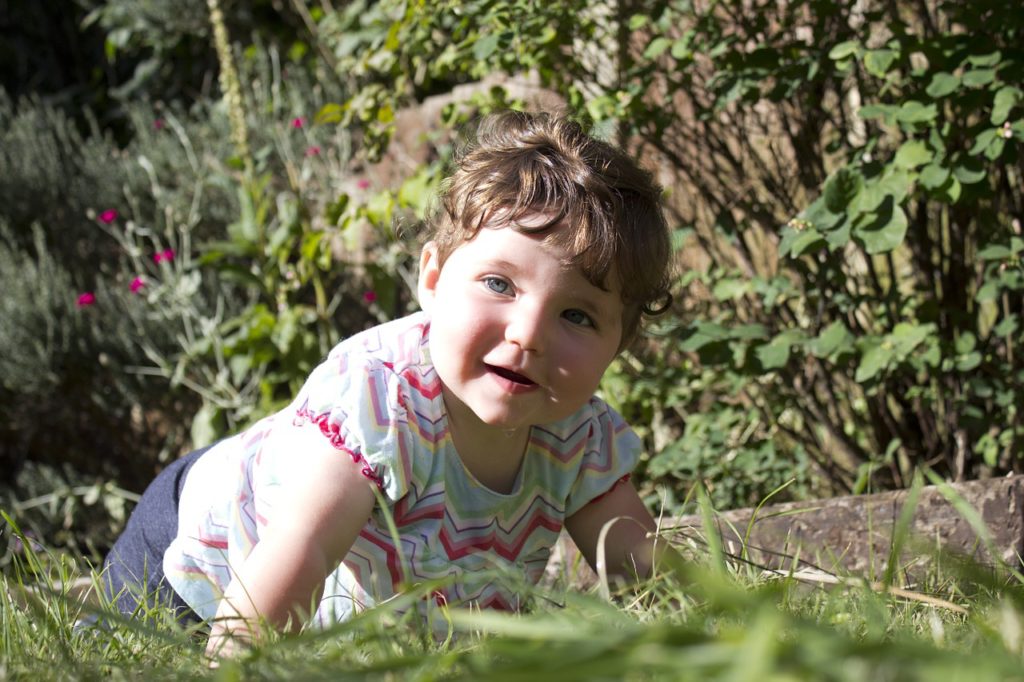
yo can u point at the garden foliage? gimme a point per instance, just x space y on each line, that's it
846 180
157 296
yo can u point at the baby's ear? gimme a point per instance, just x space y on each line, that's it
430 272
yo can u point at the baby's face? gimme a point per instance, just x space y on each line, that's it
517 338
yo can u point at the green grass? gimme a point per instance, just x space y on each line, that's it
709 620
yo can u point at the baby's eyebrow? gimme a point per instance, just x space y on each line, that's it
500 263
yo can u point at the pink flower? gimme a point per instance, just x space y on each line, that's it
363 183
313 151
108 216
369 296
137 284
158 124
165 255
86 298
298 122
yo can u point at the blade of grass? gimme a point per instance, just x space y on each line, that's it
901 531
712 536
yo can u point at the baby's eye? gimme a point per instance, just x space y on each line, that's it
578 317
496 284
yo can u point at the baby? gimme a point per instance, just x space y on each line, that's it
472 425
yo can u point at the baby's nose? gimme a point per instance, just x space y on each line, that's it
526 329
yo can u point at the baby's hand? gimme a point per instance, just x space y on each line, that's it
228 638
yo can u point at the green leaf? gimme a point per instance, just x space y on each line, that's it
896 182
329 113
968 362
703 334
906 336
843 50
886 231
1012 279
638 21
1007 326
995 252
657 47
969 171
279 242
245 231
486 46
1006 98
841 188
876 359
933 176
916 112
912 154
989 449
417 191
953 190
965 343
310 247
772 355
379 208
886 111
983 140
990 59
749 331
838 237
681 49
819 217
795 242
391 40
989 291
995 150
833 339
775 353
874 193
942 84
878 62
975 78
730 289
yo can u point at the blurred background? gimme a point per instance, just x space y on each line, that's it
199 198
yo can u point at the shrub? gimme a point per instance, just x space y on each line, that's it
844 176
69 388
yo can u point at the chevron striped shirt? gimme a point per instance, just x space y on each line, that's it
378 399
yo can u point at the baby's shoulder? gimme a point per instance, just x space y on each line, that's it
399 342
383 368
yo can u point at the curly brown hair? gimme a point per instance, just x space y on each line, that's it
604 210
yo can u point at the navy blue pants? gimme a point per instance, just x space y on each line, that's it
133 570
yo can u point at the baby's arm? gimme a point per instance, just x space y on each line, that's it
629 549
315 521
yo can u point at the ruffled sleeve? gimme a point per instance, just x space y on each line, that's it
611 454
358 403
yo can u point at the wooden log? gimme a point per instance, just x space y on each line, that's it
851 535
854 534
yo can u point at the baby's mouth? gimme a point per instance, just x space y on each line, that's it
514 377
